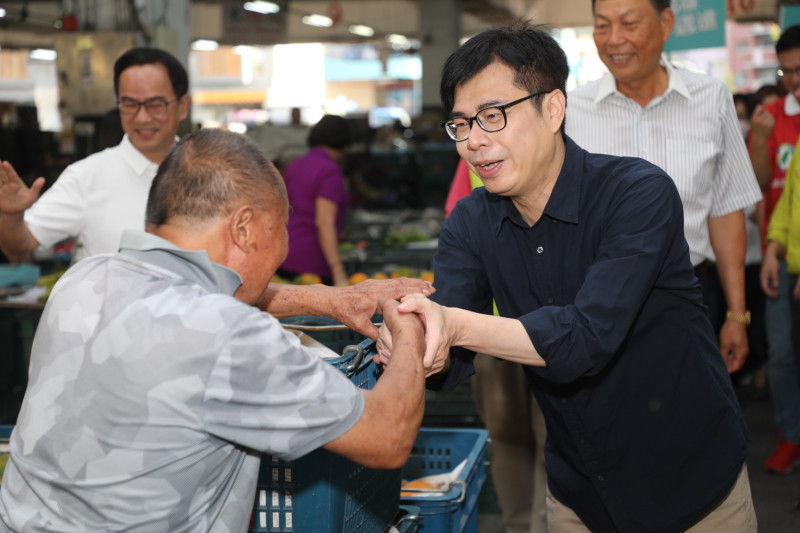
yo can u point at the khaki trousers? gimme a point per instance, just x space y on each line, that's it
734 515
516 426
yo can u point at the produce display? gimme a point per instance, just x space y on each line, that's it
3 460
48 282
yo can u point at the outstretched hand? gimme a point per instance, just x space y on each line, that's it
355 305
437 337
15 196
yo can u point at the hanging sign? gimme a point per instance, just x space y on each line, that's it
698 24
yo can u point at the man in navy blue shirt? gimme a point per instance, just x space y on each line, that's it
586 258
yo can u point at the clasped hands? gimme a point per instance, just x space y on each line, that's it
438 338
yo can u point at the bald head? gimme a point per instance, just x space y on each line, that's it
215 191
207 175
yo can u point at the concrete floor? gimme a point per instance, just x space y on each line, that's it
775 497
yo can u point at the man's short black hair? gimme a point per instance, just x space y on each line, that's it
332 131
789 39
148 56
538 61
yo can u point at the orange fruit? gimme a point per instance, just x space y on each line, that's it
307 278
358 277
403 272
415 485
380 275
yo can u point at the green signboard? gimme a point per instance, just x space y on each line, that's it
790 16
698 24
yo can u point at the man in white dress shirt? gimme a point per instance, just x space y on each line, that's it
683 122
95 199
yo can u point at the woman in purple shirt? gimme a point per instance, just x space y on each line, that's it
318 199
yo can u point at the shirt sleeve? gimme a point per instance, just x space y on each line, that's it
780 221
269 393
330 183
735 186
461 281
61 211
641 239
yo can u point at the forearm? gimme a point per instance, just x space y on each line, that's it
774 249
729 242
329 243
505 338
386 431
759 157
15 238
283 299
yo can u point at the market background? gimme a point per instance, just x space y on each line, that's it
247 71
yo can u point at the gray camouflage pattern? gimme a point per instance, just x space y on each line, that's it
150 399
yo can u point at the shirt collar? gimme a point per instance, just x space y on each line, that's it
791 106
564 199
192 265
608 85
136 159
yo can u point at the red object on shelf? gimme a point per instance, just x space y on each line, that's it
69 23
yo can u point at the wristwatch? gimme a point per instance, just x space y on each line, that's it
742 318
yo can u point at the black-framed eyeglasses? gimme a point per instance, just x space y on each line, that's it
783 72
155 106
490 120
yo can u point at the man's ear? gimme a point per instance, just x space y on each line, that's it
667 21
183 106
555 105
242 228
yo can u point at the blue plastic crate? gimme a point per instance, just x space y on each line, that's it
356 349
408 519
324 492
440 450
329 332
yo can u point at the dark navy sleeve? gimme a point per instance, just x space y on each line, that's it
461 282
641 235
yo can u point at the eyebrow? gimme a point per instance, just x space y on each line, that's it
624 14
481 107
152 98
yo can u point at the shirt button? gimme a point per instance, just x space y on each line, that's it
549 300
600 478
583 441
540 249
563 400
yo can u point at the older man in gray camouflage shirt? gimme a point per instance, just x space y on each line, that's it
155 383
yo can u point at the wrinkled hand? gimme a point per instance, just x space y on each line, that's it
762 122
354 305
400 323
15 196
437 337
733 345
383 346
770 275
